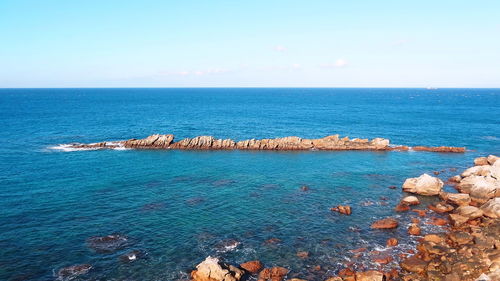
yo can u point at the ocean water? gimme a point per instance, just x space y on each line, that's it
178 207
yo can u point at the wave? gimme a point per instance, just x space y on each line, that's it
71 147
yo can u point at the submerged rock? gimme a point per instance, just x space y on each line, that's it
70 272
346 210
423 185
211 269
386 223
252 266
276 273
108 243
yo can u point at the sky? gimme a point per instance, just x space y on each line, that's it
271 43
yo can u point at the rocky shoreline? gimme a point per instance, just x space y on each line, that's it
465 246
333 142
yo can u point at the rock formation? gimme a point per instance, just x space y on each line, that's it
423 185
333 142
211 269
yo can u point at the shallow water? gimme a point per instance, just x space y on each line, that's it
180 206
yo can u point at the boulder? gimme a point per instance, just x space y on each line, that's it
457 220
211 269
413 264
346 210
386 223
423 185
492 159
441 207
414 229
492 208
460 199
402 207
273 274
469 212
371 275
480 188
391 242
252 266
483 170
481 161
410 200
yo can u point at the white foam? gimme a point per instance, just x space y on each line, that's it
71 148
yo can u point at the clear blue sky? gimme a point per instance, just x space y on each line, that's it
153 43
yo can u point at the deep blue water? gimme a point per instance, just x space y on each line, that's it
180 206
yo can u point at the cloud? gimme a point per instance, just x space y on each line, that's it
280 48
339 63
210 71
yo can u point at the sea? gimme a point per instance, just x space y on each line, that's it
176 208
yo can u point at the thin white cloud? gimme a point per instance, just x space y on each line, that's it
399 42
280 48
339 63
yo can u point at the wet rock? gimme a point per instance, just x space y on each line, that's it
441 207
414 229
334 279
455 179
211 269
303 254
492 208
109 243
402 207
386 223
414 264
410 200
70 272
304 188
391 242
440 149
438 221
460 199
382 259
435 238
421 213
273 274
132 256
423 185
346 210
252 266
371 275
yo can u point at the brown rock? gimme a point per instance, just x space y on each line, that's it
273 274
371 275
438 221
414 229
457 219
481 161
252 266
421 213
441 207
414 264
346 210
402 207
386 223
460 199
391 242
470 212
273 241
440 149
492 208
303 254
382 259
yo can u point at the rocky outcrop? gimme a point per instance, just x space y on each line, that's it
276 273
482 182
252 266
333 142
386 223
423 185
211 269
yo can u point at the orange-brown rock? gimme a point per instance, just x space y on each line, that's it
414 229
333 142
391 242
402 207
386 223
438 221
441 207
421 213
276 273
303 254
413 264
382 259
252 266
371 275
440 149
346 210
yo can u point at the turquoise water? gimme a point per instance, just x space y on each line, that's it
180 206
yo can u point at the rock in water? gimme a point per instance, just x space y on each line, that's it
211 269
371 275
252 266
276 273
70 272
410 200
423 185
387 223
